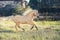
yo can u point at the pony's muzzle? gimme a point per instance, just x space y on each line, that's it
37 18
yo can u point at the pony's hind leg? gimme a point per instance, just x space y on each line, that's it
16 27
21 28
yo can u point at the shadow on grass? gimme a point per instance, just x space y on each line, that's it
6 31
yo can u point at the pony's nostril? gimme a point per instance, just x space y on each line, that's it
37 16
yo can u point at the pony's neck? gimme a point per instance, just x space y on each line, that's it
27 14
30 16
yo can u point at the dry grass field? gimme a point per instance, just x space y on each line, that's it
47 30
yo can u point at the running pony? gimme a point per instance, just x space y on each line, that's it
28 18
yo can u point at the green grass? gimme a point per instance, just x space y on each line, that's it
48 30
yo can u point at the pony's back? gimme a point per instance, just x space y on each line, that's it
30 11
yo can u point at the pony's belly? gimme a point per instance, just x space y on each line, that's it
22 20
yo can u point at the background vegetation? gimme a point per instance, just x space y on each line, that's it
48 9
47 30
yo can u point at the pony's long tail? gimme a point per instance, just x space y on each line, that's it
9 18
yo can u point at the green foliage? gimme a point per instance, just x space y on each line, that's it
19 9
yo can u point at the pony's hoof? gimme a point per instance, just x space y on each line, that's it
30 29
23 29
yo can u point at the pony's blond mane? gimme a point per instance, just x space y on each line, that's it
27 12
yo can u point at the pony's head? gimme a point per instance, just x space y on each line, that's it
34 13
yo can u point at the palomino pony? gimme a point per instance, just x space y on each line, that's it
25 19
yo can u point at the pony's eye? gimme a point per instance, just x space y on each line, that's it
34 14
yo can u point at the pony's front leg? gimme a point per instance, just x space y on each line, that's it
33 26
36 27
